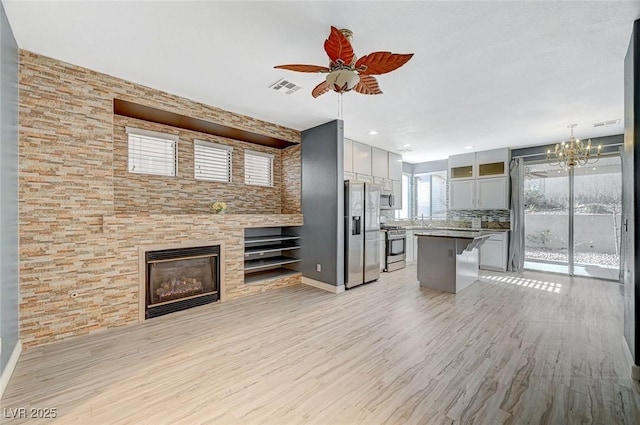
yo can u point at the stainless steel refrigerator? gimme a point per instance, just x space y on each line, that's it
362 230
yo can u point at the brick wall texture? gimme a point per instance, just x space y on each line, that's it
82 215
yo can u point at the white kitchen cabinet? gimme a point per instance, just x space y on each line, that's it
348 156
492 163
379 163
493 254
462 166
395 166
397 194
382 250
361 158
484 164
364 178
479 194
462 194
410 252
384 184
492 193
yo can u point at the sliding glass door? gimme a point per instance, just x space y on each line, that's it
546 218
597 198
572 218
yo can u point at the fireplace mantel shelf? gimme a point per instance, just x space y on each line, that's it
161 223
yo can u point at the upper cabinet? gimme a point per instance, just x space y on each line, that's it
379 163
479 181
348 156
485 164
395 166
365 160
493 163
361 158
462 166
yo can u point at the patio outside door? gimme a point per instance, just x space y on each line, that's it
572 218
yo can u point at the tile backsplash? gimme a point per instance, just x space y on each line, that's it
490 219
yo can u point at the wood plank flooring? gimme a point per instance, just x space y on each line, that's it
511 349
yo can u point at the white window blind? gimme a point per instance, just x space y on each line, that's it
431 194
212 161
404 212
151 152
439 194
423 195
258 168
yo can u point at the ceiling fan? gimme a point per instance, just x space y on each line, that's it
345 71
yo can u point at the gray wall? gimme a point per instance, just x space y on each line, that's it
431 166
323 203
631 184
610 144
8 190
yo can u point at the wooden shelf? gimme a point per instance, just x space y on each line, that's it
262 249
263 263
159 116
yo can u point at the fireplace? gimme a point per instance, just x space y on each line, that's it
181 278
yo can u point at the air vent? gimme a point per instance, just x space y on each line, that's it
606 123
285 86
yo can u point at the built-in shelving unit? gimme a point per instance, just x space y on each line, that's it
148 113
270 252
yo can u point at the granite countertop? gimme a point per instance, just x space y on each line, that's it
457 229
457 234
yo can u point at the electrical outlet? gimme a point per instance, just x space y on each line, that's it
318 267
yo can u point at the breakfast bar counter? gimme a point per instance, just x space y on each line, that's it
448 260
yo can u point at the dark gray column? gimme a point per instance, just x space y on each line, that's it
631 184
8 190
322 244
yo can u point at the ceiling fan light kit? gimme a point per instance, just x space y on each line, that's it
345 71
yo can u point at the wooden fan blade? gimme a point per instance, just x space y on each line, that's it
368 85
304 68
320 89
338 47
377 63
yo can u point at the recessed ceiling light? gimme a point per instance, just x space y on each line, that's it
406 145
469 147
373 132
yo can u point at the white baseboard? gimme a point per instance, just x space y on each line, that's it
324 286
11 365
635 372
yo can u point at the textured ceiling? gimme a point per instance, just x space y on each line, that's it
486 74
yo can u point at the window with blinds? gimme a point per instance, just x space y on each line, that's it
151 152
212 162
431 194
406 206
258 168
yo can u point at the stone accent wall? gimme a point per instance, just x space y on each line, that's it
184 194
291 177
80 216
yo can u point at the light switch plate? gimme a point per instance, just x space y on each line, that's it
476 223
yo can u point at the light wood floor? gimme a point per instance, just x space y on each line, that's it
510 349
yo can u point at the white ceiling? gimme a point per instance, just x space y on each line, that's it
487 74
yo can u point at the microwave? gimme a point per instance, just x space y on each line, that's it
387 201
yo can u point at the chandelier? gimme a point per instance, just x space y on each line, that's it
573 152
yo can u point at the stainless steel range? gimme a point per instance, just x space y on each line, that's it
395 248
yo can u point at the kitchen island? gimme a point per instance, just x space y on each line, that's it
448 260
